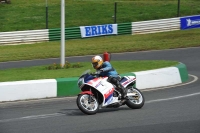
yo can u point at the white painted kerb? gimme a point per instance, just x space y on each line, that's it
157 78
31 89
35 89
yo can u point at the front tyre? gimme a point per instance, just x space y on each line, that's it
137 100
83 104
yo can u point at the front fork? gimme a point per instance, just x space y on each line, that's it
89 93
90 99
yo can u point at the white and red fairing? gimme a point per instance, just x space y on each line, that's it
106 89
126 80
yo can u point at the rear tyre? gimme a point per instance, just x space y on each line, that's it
136 101
83 104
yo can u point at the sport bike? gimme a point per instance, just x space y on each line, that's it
97 92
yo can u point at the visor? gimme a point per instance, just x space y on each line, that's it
95 64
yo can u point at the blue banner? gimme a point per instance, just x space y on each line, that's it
190 22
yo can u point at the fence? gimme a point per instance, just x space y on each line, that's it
33 36
74 32
20 37
154 26
143 27
70 33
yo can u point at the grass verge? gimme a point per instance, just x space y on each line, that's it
40 72
98 45
31 14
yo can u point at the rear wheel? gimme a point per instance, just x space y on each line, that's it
137 100
85 106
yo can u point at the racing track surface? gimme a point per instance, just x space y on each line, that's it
175 109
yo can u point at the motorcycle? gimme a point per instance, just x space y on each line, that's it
97 92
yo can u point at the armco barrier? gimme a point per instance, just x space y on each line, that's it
20 37
142 27
70 33
35 89
154 26
124 28
33 36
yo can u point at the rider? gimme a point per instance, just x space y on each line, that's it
107 70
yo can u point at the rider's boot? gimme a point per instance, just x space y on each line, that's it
123 91
124 95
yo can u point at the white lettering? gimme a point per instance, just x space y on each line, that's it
192 22
98 30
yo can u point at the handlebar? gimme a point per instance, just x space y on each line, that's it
95 73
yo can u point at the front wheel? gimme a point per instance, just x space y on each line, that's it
137 100
85 106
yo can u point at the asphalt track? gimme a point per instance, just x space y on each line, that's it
174 109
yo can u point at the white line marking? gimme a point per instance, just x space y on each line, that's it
151 101
162 88
70 98
173 98
59 114
32 117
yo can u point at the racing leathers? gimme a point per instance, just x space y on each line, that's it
113 77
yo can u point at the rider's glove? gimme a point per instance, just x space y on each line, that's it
98 72
101 70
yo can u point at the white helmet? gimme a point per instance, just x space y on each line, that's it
97 61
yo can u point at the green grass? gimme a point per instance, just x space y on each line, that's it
31 14
111 44
40 72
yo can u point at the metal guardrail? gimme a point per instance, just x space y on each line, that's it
154 26
124 28
70 33
143 27
20 37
